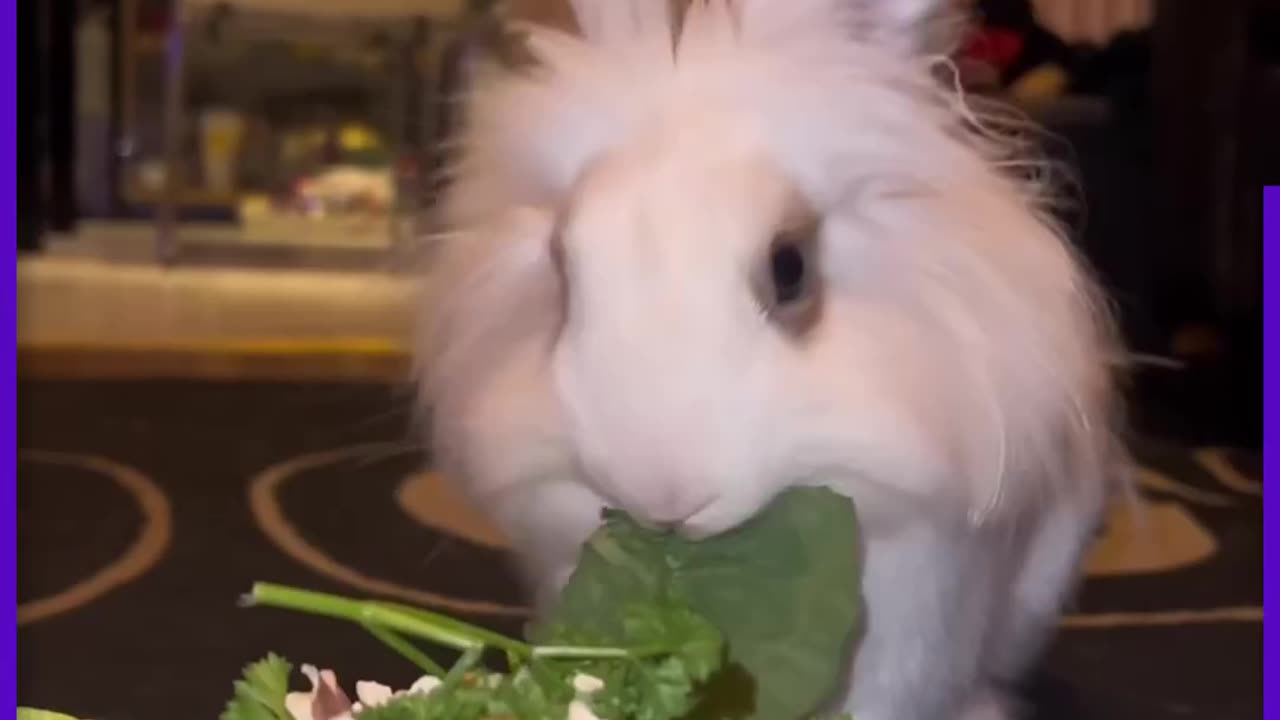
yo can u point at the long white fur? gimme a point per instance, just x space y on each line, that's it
956 385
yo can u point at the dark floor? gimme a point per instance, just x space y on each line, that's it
168 643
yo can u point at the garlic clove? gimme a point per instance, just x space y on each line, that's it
579 710
587 684
424 685
299 705
326 701
372 694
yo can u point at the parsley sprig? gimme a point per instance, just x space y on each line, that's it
652 674
756 623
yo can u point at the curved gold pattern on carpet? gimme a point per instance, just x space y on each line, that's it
1149 479
272 521
1167 617
1155 537
146 550
1215 462
433 502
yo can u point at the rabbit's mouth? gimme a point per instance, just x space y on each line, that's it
685 529
713 519
681 523
727 512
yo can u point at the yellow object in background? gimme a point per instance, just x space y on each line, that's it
299 145
33 714
1042 83
355 138
254 206
222 134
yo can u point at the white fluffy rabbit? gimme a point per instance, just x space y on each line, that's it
696 256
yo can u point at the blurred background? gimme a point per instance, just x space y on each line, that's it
214 173
224 205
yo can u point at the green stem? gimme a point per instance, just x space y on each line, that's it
574 652
460 668
450 634
485 637
514 662
406 650
384 620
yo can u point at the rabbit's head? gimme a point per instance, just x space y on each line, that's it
699 255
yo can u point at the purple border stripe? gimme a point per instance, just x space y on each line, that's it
1271 439
8 660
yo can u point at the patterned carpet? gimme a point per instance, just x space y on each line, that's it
145 508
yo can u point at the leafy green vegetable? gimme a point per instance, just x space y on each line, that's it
755 623
674 651
33 714
461 703
651 669
260 693
783 588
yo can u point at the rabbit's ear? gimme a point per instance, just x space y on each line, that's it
556 14
606 22
909 26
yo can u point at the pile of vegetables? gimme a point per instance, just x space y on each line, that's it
755 623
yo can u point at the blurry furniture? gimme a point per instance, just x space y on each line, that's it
1172 137
1200 60
305 124
1214 84
30 196
45 120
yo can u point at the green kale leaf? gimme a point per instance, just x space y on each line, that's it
782 589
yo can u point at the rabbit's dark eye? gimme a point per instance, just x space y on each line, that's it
787 267
787 285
